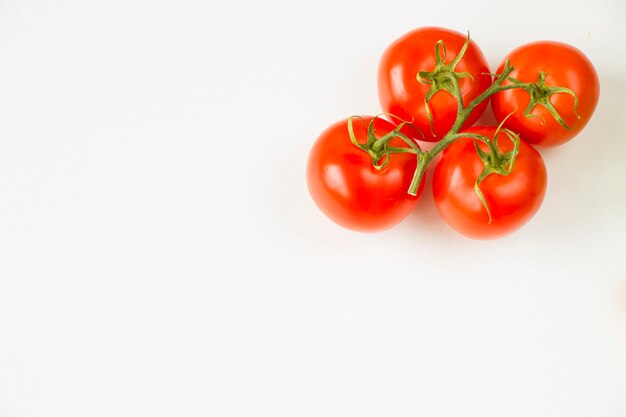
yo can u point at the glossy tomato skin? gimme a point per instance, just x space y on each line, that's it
512 199
402 94
564 66
349 190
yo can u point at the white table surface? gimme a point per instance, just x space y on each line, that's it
160 254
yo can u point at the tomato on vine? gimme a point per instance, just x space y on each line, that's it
424 74
359 171
366 173
562 99
490 187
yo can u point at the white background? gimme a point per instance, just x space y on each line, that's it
160 255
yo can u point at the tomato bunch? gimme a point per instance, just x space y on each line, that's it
366 173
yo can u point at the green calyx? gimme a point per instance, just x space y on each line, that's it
540 94
378 148
443 77
494 161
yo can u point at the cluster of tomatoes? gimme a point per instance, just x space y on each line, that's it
366 173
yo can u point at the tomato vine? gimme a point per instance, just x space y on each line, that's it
444 78
367 172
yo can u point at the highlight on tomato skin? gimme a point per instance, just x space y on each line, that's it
401 93
563 66
513 199
347 188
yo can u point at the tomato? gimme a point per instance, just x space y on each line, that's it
402 94
563 66
512 199
349 190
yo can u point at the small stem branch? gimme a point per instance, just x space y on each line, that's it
423 158
379 144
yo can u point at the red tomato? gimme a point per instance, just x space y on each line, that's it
563 66
349 190
512 199
402 94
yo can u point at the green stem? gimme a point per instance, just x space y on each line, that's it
463 113
380 144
